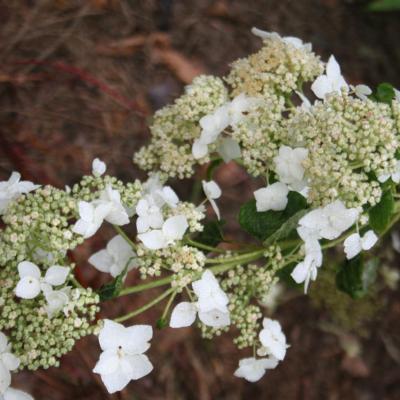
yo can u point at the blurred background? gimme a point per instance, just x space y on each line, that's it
80 79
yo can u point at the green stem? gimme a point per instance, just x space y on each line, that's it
204 246
125 236
152 303
223 260
168 305
76 283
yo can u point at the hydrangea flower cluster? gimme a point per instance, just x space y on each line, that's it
330 169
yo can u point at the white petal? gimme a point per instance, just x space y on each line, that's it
153 240
136 339
108 362
333 68
211 189
10 361
14 394
140 365
98 167
229 149
369 240
215 318
86 210
199 149
273 197
215 208
321 86
116 381
300 272
27 268
184 314
170 196
56 275
253 370
110 335
5 378
3 342
102 261
27 288
175 227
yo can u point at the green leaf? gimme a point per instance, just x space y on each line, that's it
384 5
355 277
264 224
212 233
384 93
380 214
112 289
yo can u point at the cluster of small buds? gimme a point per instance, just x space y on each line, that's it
185 262
38 227
90 187
176 126
193 214
260 135
38 340
277 69
348 139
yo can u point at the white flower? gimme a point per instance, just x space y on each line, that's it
273 197
333 81
12 189
253 369
362 91
354 244
117 255
214 124
212 192
273 339
229 149
98 167
307 270
288 166
91 217
331 221
211 306
294 41
122 359
31 282
397 95
56 300
149 215
172 230
395 175
8 362
14 394
117 214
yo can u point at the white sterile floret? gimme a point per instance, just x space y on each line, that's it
98 167
305 103
14 394
273 197
294 41
56 300
122 359
211 306
362 91
117 256
117 214
354 244
212 125
331 221
332 81
273 339
212 192
397 95
12 189
172 230
8 362
395 175
253 369
149 215
31 282
91 218
289 167
307 270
